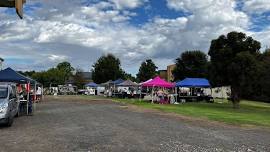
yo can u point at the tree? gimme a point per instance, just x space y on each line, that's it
54 76
262 89
191 64
79 81
66 68
107 67
42 78
128 76
247 69
27 73
147 71
232 55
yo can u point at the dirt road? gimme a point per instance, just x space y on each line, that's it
74 125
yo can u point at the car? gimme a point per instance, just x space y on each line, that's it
9 103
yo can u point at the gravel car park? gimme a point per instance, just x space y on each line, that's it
74 124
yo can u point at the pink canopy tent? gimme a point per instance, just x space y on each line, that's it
158 82
146 81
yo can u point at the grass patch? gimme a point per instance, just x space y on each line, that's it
250 112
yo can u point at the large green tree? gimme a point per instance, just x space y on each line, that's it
191 64
107 67
262 89
54 76
147 70
232 62
66 69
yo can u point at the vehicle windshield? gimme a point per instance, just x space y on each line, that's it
3 92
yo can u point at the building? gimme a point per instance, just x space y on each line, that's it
167 74
162 74
87 76
170 69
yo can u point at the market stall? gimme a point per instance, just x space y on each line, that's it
24 85
91 88
159 88
108 87
128 89
190 89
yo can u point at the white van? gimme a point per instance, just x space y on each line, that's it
9 103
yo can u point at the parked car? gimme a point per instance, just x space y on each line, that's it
9 103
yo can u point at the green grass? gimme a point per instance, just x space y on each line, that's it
250 112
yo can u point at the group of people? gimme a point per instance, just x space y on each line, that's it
164 96
28 96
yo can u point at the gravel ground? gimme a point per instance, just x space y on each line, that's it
106 126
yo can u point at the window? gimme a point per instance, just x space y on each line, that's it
3 92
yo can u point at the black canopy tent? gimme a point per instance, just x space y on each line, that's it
10 75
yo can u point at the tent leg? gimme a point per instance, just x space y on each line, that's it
42 94
28 98
152 95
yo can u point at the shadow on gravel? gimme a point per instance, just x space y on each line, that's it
3 126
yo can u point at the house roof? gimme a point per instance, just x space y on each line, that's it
86 75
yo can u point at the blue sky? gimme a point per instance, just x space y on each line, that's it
133 30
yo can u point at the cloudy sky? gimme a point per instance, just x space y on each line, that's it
80 31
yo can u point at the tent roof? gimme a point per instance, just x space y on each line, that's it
118 81
193 82
146 81
107 83
9 75
128 83
158 82
91 84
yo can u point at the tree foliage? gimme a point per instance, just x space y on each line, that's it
233 61
54 76
262 87
66 69
147 71
78 78
107 67
191 64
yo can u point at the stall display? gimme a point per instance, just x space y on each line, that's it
194 93
159 95
27 96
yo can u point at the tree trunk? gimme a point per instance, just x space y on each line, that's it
235 98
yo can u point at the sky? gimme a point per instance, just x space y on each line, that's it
80 31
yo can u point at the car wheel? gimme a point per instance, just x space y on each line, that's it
10 122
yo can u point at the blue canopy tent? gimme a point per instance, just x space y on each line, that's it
193 82
118 81
91 84
9 75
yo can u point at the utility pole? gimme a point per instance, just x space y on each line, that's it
17 4
1 63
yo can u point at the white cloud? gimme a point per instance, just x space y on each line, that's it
256 6
130 4
81 33
58 58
